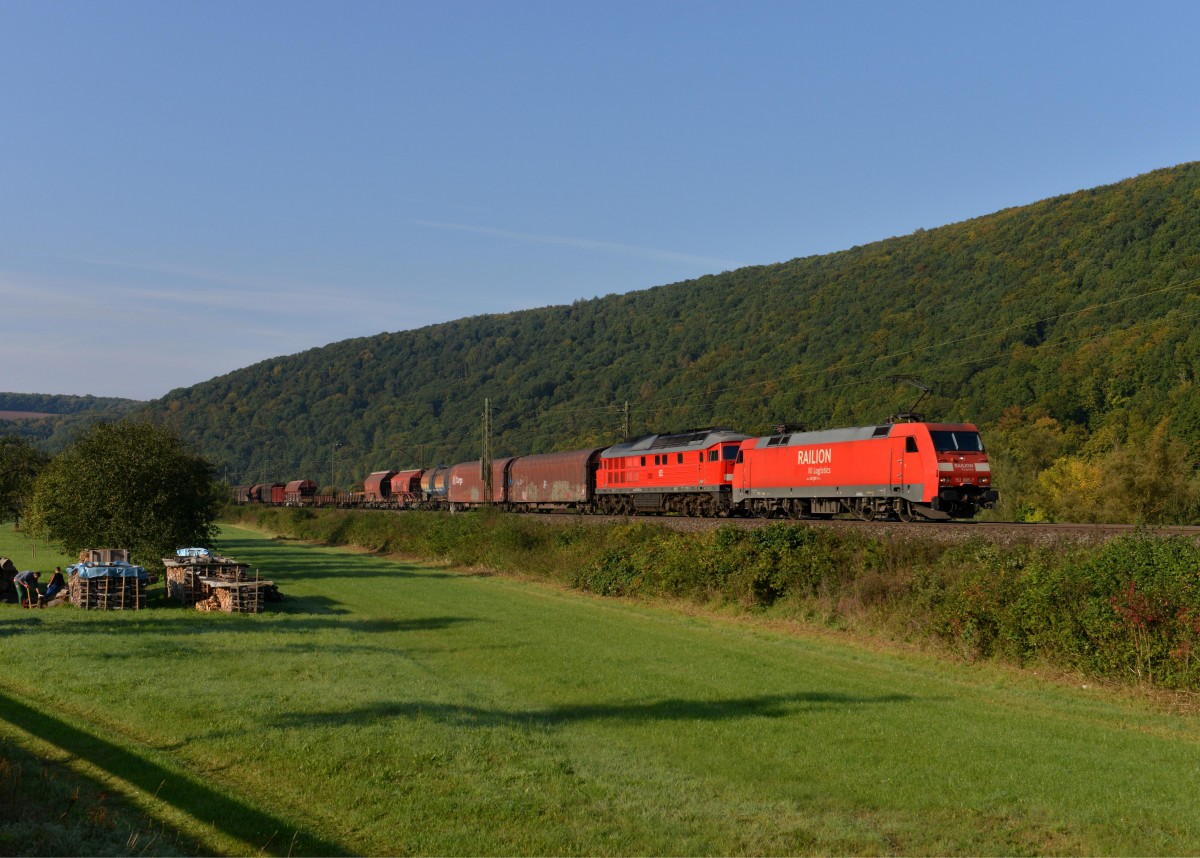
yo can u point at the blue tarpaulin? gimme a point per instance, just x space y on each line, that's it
108 570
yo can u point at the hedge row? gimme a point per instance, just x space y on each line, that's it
1127 609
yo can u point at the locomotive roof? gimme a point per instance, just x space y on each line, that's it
853 433
695 440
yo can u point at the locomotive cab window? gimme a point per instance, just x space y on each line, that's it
643 461
956 442
910 444
730 452
679 458
713 454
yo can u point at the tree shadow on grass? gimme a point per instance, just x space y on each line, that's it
195 624
72 813
302 561
259 831
17 625
671 709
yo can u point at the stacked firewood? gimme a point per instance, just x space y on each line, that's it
183 584
107 593
212 603
186 576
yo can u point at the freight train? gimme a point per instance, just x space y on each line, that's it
909 471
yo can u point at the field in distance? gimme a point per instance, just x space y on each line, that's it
23 415
388 708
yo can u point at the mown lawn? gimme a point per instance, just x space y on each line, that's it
387 708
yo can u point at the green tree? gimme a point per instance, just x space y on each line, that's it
20 464
126 485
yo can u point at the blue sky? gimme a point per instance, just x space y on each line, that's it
187 188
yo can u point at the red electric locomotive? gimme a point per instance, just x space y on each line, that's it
932 470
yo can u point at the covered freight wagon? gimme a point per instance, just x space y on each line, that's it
553 480
299 493
406 487
377 487
466 486
269 493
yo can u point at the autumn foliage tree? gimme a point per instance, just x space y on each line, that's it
126 485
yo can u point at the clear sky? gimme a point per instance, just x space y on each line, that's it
187 188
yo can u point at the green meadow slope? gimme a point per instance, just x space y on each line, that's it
390 708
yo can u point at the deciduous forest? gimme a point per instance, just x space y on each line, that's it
1065 328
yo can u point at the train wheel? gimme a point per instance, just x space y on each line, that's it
867 511
905 512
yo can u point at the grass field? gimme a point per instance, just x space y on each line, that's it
386 708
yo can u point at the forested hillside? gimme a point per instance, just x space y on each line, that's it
1066 328
69 415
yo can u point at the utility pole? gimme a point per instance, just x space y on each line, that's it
485 460
626 422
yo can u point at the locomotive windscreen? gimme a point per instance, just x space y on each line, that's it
963 442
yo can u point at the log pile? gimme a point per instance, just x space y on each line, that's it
235 597
184 575
214 583
107 592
